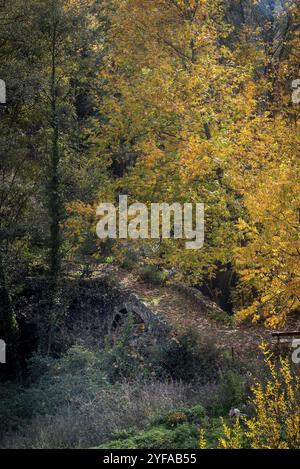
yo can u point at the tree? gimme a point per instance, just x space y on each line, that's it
46 63
205 118
174 90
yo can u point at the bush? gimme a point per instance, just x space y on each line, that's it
54 384
176 418
184 436
92 419
187 358
232 392
130 260
122 361
152 274
276 420
196 413
178 429
11 407
193 414
111 279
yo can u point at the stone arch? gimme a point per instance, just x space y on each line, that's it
120 314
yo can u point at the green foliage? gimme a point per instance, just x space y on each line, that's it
178 429
121 360
54 384
88 418
213 430
130 260
232 392
188 359
39 366
193 414
184 436
12 410
152 274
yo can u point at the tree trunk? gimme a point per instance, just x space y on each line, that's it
54 206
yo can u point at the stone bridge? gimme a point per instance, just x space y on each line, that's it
98 306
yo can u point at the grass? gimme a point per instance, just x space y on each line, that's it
179 429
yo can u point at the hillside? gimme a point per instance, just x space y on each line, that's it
185 308
149 224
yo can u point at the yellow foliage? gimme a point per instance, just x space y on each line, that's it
204 128
268 257
232 436
276 403
176 94
202 440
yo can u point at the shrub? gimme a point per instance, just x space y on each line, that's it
39 365
231 393
90 420
176 418
152 274
184 436
188 359
67 380
178 429
111 279
11 407
196 413
276 420
54 384
193 414
130 260
210 432
122 361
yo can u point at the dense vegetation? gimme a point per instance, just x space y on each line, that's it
161 100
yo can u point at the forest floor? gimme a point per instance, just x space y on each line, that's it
183 313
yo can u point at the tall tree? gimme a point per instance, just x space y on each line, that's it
49 62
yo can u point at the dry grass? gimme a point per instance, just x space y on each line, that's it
87 423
